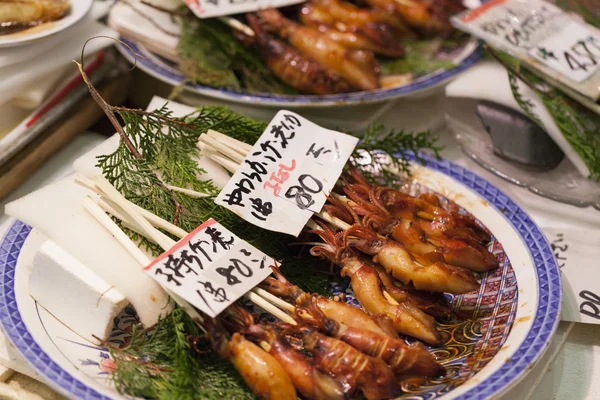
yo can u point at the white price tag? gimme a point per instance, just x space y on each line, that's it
211 268
288 174
218 8
576 252
512 25
574 51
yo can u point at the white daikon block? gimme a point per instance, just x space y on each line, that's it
86 164
73 293
57 211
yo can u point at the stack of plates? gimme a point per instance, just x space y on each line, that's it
38 82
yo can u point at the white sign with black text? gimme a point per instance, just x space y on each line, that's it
288 174
576 252
218 8
211 268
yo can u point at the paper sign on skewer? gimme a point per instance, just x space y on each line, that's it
288 174
543 36
218 8
211 268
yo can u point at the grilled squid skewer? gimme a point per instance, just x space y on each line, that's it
404 359
406 317
435 277
308 379
291 66
335 310
330 54
370 375
261 371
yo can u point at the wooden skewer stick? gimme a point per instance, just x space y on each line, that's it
135 252
221 148
127 222
237 145
284 305
130 217
259 301
153 219
189 192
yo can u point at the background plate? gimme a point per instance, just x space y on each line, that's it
79 8
421 86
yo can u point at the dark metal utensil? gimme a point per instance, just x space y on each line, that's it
517 138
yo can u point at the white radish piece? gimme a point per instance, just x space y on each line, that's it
74 294
57 211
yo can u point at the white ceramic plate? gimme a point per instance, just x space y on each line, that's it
517 307
79 8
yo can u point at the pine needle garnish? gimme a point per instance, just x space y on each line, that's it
421 58
158 149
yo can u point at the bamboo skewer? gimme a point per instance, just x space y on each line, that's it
153 219
135 252
135 223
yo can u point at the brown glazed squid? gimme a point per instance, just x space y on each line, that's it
291 66
370 375
407 318
434 277
356 66
429 17
338 311
404 359
17 15
309 380
261 371
466 253
434 304
366 29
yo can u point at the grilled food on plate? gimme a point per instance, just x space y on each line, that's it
22 14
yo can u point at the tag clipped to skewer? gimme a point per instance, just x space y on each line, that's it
286 176
211 268
546 38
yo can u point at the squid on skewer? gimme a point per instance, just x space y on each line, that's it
291 66
370 375
338 311
435 277
447 224
261 371
434 304
404 359
367 211
358 40
406 317
330 54
309 380
429 17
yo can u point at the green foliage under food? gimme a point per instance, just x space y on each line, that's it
211 55
159 363
421 58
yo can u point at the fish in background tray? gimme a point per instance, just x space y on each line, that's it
17 15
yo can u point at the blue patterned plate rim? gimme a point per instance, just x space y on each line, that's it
128 47
544 324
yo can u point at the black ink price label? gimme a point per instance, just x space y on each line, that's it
211 268
288 174
574 51
217 8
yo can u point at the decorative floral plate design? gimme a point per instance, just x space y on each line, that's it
500 330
